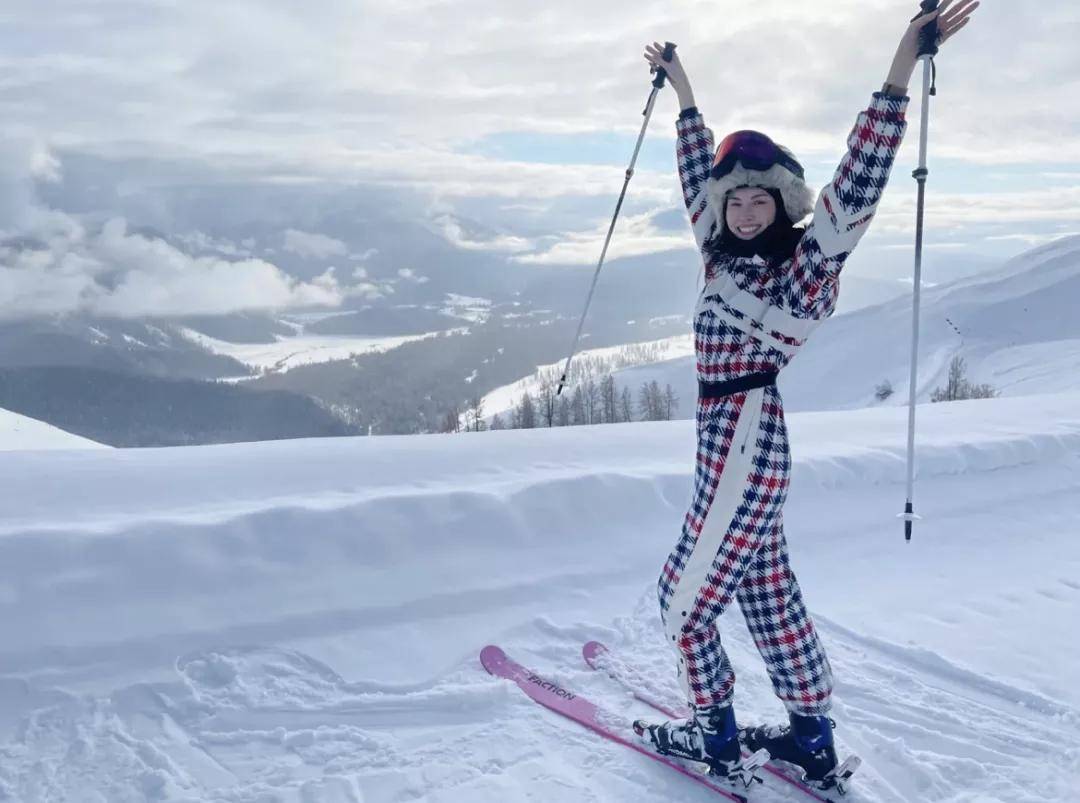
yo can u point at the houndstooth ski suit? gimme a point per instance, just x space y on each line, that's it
732 544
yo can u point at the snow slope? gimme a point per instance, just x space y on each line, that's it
1015 327
502 400
19 432
289 352
300 620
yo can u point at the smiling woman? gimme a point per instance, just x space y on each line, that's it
769 283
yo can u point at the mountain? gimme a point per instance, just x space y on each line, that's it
1015 327
150 347
129 410
21 433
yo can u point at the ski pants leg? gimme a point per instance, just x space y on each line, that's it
732 547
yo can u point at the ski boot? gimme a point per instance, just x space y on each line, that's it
708 738
807 743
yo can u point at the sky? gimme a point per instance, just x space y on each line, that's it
520 118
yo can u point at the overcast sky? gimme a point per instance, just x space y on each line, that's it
512 114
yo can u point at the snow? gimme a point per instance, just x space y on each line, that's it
1015 328
300 620
289 352
21 433
469 308
667 350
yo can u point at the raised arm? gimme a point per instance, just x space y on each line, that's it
694 153
847 204
694 146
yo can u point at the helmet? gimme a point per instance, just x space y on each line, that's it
751 159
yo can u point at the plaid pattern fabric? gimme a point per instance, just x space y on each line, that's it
776 616
809 279
751 560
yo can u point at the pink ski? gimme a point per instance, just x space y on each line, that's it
551 695
598 657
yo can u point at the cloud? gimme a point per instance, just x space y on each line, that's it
1031 239
634 235
366 255
454 233
116 273
313 246
303 89
409 275
379 94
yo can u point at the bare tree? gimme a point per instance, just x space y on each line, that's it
546 402
452 420
609 400
670 403
577 406
958 387
592 402
563 413
651 401
474 415
626 405
527 412
497 422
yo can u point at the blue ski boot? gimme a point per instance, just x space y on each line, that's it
709 737
806 743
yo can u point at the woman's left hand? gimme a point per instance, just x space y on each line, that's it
950 20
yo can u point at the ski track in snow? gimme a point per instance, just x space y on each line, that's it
250 724
328 653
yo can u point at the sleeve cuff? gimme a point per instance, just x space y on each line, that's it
894 104
688 112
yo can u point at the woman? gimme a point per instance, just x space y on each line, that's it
768 285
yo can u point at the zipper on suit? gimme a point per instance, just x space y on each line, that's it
757 415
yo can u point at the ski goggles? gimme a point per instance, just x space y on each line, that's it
754 151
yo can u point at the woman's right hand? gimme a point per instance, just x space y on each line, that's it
654 54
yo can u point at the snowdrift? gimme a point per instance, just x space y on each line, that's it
300 620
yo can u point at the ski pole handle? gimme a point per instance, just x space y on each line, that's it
930 33
669 51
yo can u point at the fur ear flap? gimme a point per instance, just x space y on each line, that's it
798 198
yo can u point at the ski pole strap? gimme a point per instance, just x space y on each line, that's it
718 390
661 73
930 33
929 38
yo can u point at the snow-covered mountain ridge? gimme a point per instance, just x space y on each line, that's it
18 432
1014 326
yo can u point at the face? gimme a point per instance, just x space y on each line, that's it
750 210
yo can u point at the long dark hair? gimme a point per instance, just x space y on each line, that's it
777 243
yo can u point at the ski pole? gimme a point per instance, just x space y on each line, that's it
928 48
658 82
